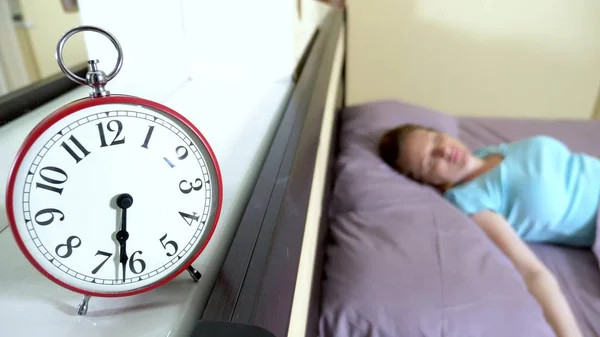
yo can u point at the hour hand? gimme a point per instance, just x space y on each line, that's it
124 201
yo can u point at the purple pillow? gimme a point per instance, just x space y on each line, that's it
363 125
361 128
401 261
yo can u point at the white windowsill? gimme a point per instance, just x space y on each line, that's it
238 118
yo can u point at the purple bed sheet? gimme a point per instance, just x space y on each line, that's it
576 269
401 261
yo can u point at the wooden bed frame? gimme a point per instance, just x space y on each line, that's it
257 284
257 281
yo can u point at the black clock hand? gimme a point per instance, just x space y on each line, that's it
124 201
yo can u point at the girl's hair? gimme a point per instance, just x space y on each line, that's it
390 145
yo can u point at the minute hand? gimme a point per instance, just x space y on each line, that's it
124 201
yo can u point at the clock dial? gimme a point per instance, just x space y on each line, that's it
66 204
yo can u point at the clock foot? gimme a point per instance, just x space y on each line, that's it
83 306
194 273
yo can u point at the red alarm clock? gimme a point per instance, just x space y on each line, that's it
113 195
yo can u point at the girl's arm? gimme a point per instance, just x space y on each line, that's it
540 281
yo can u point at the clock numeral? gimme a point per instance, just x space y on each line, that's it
180 156
191 187
171 243
69 246
51 180
148 135
83 150
189 219
184 154
108 255
132 262
110 127
49 212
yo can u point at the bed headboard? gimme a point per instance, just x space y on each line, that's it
21 101
271 275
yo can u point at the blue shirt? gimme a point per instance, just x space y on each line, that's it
545 191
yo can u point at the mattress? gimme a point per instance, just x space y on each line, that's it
576 269
401 261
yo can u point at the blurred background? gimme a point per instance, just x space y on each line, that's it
29 31
508 58
176 38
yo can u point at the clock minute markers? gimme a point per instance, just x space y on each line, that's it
181 151
115 125
124 201
51 176
85 152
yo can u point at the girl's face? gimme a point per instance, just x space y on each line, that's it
435 158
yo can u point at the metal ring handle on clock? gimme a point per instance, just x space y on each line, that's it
69 73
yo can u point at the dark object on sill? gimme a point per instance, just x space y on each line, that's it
21 101
228 329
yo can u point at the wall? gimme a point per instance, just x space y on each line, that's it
512 58
13 74
155 64
28 59
21 29
199 39
49 23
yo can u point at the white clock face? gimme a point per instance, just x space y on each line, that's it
66 190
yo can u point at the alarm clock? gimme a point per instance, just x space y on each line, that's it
113 195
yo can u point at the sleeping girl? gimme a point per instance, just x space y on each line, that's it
532 190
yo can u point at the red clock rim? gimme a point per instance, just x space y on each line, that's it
67 110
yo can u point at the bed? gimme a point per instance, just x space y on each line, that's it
387 256
401 261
